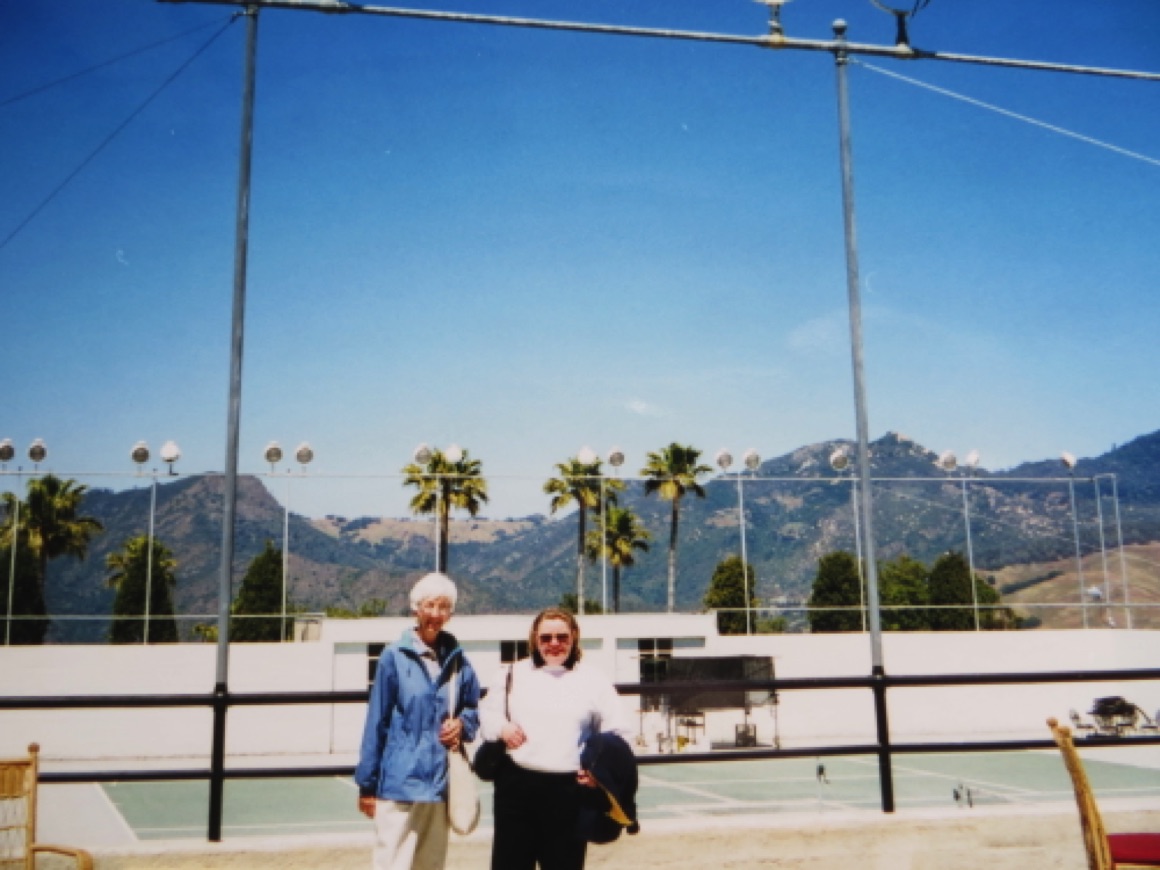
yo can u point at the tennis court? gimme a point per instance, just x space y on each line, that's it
326 805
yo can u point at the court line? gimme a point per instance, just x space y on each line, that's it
120 816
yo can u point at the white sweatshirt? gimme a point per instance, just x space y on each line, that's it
557 708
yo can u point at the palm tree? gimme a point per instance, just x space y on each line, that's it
50 523
671 473
443 485
135 582
620 534
580 483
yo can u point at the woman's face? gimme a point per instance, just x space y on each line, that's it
433 614
554 639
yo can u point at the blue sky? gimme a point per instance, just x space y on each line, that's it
525 242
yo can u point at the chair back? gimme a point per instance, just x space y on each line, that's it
1095 836
18 778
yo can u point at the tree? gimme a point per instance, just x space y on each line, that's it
27 625
568 602
836 585
442 485
580 483
133 581
671 473
50 525
950 584
617 539
731 579
257 611
903 590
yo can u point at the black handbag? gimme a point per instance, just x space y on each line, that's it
492 755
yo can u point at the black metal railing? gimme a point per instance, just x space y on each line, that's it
217 772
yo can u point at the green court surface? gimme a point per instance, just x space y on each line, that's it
326 805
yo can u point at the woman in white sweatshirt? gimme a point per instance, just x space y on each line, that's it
555 703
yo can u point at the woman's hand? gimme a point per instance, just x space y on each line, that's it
586 779
450 733
366 805
513 735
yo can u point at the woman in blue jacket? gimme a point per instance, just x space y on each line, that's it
402 769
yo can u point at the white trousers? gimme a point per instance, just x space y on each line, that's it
410 836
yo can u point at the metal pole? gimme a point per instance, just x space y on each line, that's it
1078 558
841 62
225 580
970 551
149 557
285 555
1103 551
603 546
1120 544
744 557
858 550
12 565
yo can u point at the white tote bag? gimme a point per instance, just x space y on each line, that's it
462 786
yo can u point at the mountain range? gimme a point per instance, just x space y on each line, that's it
796 510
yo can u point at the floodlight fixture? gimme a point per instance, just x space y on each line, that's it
7 451
422 454
775 28
140 453
170 453
453 454
1068 460
273 454
840 459
304 453
616 457
752 459
724 459
38 452
947 461
587 456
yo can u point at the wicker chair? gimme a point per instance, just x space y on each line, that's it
18 846
1104 851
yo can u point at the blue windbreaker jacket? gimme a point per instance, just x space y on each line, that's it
401 758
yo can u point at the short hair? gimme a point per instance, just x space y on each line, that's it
555 613
433 585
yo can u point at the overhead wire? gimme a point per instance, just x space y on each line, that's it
1008 113
116 132
76 75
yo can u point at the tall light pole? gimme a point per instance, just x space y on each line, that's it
273 455
7 452
1068 461
948 462
304 454
615 459
422 457
752 461
140 455
840 462
1103 553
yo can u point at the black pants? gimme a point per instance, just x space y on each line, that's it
535 821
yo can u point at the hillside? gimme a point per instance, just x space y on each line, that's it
796 509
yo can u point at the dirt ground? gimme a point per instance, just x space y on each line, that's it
996 839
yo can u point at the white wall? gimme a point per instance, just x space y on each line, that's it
338 662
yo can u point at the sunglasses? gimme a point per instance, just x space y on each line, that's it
559 638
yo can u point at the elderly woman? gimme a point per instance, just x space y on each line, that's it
402 769
550 707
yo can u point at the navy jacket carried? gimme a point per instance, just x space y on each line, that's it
610 808
401 758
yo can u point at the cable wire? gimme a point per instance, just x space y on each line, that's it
1026 119
108 139
41 88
